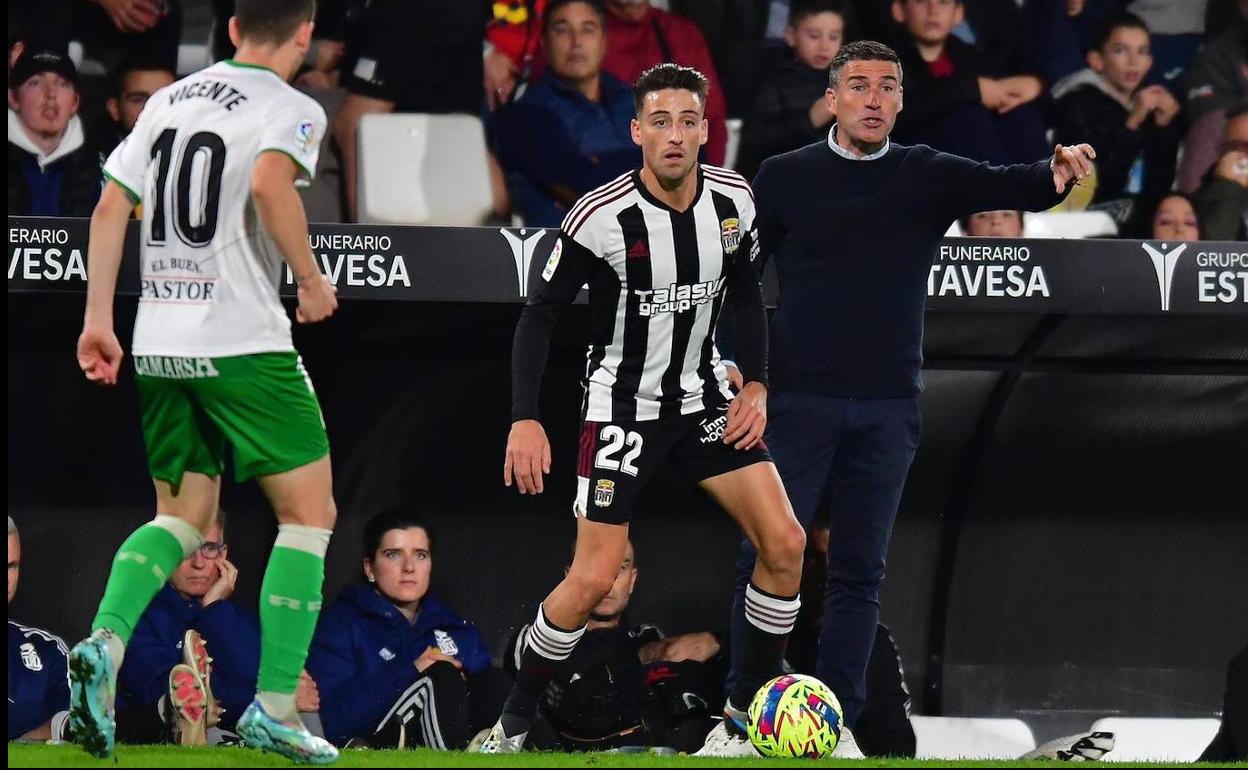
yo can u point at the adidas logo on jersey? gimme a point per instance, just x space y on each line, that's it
677 298
638 250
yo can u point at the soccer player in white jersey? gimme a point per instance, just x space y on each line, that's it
214 159
663 250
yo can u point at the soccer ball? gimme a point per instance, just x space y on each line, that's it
794 716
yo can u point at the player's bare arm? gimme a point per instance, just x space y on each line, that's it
747 417
528 456
99 352
281 212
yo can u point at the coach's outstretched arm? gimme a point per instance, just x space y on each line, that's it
280 210
99 352
528 449
968 186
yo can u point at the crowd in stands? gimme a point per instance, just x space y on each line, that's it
1158 88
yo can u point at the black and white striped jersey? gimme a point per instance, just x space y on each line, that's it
658 280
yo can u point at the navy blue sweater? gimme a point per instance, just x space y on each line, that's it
854 242
38 677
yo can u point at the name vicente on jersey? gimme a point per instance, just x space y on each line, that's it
678 298
224 94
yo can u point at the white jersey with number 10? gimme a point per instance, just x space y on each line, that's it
209 272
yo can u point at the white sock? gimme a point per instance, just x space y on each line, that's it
279 705
116 650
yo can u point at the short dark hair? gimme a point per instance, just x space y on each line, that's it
861 50
661 77
272 21
396 517
548 12
1106 29
136 63
800 10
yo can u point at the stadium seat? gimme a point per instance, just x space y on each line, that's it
1156 739
971 738
734 142
418 169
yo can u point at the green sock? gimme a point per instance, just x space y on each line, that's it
140 569
290 602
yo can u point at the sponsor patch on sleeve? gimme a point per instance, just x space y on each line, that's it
305 135
552 262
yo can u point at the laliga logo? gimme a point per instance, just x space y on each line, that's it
1164 262
522 252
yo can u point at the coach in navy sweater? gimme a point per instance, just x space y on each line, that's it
854 223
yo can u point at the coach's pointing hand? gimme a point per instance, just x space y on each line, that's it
528 456
747 417
1069 163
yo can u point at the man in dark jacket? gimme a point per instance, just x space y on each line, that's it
37 672
52 172
151 707
629 685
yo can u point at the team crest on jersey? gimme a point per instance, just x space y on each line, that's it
30 657
304 133
445 643
552 262
730 234
385 654
604 490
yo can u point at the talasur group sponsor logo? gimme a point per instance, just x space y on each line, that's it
677 298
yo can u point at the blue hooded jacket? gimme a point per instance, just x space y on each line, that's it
38 675
232 636
364 652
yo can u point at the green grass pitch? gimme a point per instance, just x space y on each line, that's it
173 756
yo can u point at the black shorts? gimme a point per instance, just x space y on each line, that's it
617 459
422 56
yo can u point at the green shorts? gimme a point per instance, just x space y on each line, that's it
262 404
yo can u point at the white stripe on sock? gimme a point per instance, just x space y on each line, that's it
313 540
769 613
551 642
187 536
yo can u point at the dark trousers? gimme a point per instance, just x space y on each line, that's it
1231 742
442 709
858 451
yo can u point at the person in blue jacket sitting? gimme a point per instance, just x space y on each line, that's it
37 675
195 655
395 666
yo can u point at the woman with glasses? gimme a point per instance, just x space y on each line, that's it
395 666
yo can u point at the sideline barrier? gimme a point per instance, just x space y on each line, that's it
484 264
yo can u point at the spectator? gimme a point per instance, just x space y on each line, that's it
1134 129
628 685
109 30
1222 201
397 667
513 41
1216 81
789 108
38 670
134 82
950 102
1005 223
52 172
167 687
1178 29
1175 219
570 131
408 56
639 37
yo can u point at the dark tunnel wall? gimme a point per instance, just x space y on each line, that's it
1071 543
